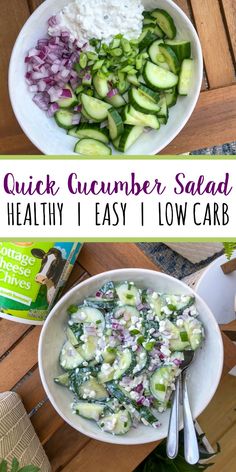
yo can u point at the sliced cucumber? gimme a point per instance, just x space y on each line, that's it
165 22
122 364
133 80
92 390
115 123
146 38
94 108
160 383
88 349
182 49
90 130
136 118
158 78
90 411
186 77
179 340
155 301
109 354
68 102
141 361
171 98
117 101
101 86
126 312
128 294
62 380
86 314
141 102
73 132
72 338
116 423
64 119
180 302
194 332
129 137
163 112
69 357
106 374
92 147
154 96
170 57
154 52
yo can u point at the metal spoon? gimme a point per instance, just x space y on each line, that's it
191 450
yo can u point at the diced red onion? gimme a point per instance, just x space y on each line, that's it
52 109
78 108
139 388
53 20
66 93
112 93
33 88
177 362
42 100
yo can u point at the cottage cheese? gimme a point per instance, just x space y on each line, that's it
100 19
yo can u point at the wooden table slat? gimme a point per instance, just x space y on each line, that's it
31 390
46 422
33 4
20 360
211 29
229 8
9 334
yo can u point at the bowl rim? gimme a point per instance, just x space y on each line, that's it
36 142
115 439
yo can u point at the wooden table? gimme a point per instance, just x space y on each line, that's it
214 120
67 449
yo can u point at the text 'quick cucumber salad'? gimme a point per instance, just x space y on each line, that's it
123 353
109 71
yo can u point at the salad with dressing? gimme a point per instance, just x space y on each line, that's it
123 352
108 71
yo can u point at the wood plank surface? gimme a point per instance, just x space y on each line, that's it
46 422
20 360
229 354
213 122
9 334
104 457
217 56
99 257
226 460
31 390
229 9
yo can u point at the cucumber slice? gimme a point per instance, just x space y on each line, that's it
101 86
156 303
72 338
133 80
92 147
64 119
109 355
128 294
154 52
126 312
115 123
154 96
69 357
179 340
160 383
62 380
90 411
116 143
86 314
68 102
129 137
134 117
171 98
146 38
94 108
106 374
90 130
186 77
180 302
122 364
170 57
182 49
116 423
92 390
88 349
85 115
73 132
141 361
141 102
163 112
194 331
117 101
165 22
158 78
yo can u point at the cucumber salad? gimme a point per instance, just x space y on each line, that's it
105 89
123 352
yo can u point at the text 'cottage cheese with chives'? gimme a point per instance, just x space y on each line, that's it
32 275
100 19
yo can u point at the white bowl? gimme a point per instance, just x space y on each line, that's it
204 374
44 132
218 290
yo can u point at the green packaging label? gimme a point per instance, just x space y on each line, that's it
31 276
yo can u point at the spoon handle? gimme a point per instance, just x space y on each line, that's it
173 432
191 448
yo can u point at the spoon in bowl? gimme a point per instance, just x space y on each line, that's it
191 449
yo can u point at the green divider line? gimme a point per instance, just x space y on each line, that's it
124 240
122 157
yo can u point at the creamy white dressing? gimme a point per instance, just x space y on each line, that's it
100 19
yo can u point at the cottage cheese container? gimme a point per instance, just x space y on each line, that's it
32 275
